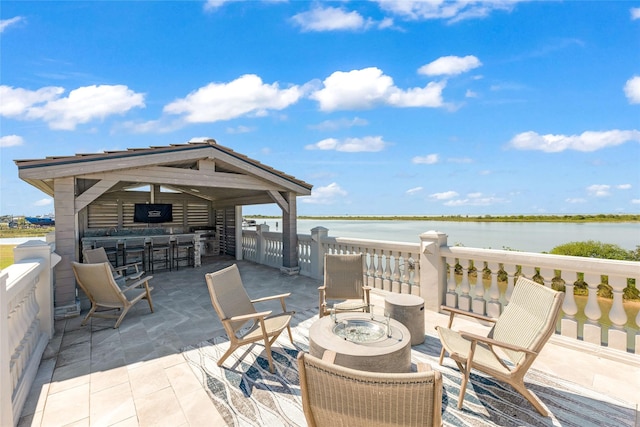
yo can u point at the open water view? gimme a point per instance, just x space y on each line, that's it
520 236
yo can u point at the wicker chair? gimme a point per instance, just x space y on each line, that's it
235 310
336 396
344 281
96 280
98 256
520 333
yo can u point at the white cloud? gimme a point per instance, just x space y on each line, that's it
444 195
575 200
10 141
475 201
429 159
599 190
450 66
414 190
351 145
635 201
325 195
587 141
240 129
211 5
474 195
632 90
330 19
81 106
329 125
623 187
470 94
5 23
44 202
224 101
368 87
635 13
453 10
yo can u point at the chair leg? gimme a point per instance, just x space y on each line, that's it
533 399
231 349
463 386
290 335
124 312
442 355
93 309
148 297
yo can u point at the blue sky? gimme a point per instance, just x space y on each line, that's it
386 107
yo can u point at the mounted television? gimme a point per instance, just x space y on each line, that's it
152 213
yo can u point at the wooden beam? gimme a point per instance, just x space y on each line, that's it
277 197
184 177
93 193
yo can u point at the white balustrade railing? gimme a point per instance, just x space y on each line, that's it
477 280
26 323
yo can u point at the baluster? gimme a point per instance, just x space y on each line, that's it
592 330
378 281
451 299
464 302
414 283
494 308
386 281
617 333
371 277
548 274
479 304
396 279
511 273
528 271
569 323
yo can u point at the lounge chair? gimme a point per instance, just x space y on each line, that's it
235 309
97 282
99 255
344 281
520 333
335 396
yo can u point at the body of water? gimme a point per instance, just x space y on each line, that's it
520 236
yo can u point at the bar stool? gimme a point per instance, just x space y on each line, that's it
135 249
161 246
110 248
184 250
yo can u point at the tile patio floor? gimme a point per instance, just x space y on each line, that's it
135 375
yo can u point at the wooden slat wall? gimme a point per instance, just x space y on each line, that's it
187 212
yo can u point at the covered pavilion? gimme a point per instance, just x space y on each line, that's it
205 183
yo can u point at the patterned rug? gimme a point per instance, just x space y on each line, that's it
247 394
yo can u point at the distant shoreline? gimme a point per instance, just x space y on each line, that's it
467 218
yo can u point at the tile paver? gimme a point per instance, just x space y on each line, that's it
135 376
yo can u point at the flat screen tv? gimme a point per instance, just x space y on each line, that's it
152 213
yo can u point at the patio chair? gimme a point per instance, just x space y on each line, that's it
520 333
96 280
235 310
98 255
333 395
344 280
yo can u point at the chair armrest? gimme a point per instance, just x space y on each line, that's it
423 367
492 342
322 288
329 356
455 311
137 283
251 316
125 267
272 297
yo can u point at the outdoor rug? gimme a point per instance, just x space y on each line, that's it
247 394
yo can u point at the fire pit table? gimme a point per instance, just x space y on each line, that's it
363 343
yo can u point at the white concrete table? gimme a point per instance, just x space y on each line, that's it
408 310
383 354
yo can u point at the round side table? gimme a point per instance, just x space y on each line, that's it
408 310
